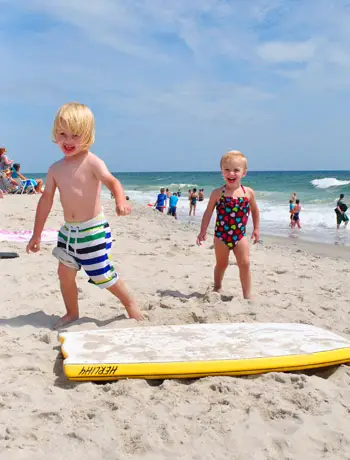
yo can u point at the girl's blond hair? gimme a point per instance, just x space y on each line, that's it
233 155
78 119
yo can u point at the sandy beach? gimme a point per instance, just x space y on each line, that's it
275 416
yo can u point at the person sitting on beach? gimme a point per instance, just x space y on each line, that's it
340 211
201 194
18 177
291 211
193 202
173 204
296 212
233 203
161 201
5 163
85 239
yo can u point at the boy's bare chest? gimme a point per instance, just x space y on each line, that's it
75 176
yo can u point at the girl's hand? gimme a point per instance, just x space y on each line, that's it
255 236
201 237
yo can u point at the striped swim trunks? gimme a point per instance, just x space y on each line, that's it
88 245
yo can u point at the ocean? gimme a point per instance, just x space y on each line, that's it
318 192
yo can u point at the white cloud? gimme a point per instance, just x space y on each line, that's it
277 52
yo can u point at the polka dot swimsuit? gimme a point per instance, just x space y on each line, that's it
232 217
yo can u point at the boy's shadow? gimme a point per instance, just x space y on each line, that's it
180 295
41 320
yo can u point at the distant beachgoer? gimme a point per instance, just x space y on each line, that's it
168 193
340 211
193 202
173 205
5 163
179 193
85 240
291 211
18 177
233 203
160 204
294 197
201 194
189 194
296 212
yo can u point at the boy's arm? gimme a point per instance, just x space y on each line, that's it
45 204
102 174
255 216
42 211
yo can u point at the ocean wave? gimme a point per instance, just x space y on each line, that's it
183 185
328 182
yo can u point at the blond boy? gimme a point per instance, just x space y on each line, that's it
85 238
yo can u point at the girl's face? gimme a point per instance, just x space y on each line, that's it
233 172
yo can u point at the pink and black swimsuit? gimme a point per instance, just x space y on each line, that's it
232 218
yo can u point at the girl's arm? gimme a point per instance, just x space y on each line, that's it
207 216
255 216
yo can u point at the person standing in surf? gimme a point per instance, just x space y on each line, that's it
340 211
233 203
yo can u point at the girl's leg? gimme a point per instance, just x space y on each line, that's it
241 251
298 223
194 209
222 252
190 210
69 292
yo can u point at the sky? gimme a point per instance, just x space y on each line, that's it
174 84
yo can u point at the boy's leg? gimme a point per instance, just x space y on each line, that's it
69 292
241 252
119 290
222 252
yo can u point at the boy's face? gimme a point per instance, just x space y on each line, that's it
233 171
69 143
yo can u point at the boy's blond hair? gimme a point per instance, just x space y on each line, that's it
232 155
78 119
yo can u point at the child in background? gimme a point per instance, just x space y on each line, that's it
233 203
193 202
85 239
160 204
173 204
201 194
291 211
296 212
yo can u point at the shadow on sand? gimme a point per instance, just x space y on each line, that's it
42 320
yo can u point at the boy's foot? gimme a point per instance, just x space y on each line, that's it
66 319
134 312
217 288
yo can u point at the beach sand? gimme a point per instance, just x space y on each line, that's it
274 416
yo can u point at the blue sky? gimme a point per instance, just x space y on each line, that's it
175 83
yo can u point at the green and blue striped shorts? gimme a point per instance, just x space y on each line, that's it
88 245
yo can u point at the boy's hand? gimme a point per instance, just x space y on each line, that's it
255 236
201 237
34 244
123 209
